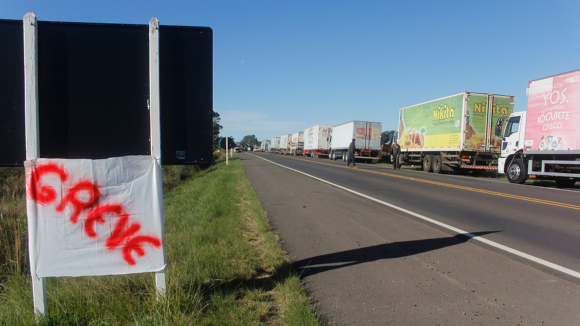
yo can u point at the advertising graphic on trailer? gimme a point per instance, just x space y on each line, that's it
553 113
431 125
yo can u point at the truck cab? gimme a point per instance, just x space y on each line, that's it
513 145
388 144
513 137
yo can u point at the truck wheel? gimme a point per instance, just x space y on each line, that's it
428 163
565 182
344 156
516 172
332 156
437 164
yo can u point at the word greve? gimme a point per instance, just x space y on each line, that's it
84 197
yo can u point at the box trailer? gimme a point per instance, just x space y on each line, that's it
461 131
317 140
285 141
297 144
367 136
265 146
543 142
275 145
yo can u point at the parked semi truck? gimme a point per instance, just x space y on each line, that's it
275 145
265 146
297 144
367 136
285 141
461 131
317 140
544 141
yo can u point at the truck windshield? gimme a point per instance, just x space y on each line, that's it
512 127
387 138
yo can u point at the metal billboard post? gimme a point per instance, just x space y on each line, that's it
154 111
32 149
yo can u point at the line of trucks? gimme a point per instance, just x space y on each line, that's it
468 132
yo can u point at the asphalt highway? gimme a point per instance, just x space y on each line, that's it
378 246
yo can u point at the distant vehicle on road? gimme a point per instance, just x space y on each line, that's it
317 140
275 145
367 136
285 141
297 144
265 146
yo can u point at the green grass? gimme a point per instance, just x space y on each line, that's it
224 267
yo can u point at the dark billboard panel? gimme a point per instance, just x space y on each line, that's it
12 133
186 86
93 90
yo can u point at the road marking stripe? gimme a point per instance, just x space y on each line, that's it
449 227
489 192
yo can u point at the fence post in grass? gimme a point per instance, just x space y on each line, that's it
154 112
32 150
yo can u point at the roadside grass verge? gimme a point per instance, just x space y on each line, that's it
224 267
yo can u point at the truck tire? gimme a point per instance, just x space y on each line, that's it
437 164
565 182
428 163
516 172
332 156
344 156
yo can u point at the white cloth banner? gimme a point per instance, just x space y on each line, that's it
95 217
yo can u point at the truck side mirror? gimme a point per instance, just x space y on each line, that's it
498 127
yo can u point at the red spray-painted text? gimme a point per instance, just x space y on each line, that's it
84 198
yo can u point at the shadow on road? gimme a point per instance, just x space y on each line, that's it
323 263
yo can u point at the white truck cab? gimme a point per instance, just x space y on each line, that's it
513 139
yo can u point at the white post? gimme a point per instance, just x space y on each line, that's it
232 152
154 113
227 151
32 150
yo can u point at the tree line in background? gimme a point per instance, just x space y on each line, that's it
216 132
250 141
247 141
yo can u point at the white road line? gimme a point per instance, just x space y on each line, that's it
449 227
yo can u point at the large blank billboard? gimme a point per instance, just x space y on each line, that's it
186 77
93 91
12 133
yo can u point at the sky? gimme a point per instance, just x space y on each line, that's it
283 66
